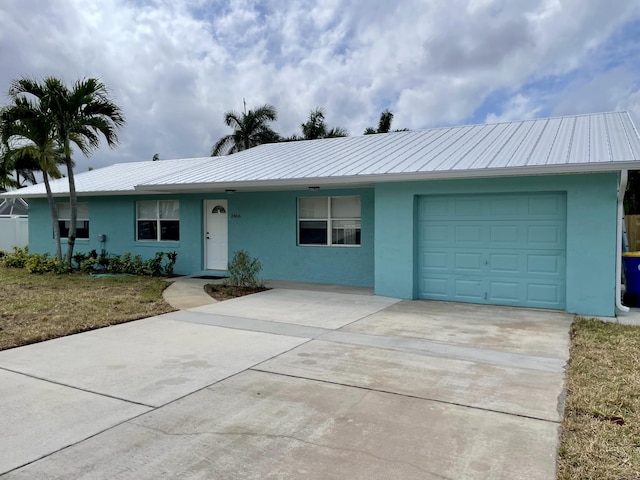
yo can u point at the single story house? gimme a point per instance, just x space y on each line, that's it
524 213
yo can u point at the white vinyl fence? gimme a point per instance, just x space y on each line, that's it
14 231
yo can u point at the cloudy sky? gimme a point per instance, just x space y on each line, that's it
175 66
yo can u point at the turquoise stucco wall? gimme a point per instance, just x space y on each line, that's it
116 218
591 233
263 223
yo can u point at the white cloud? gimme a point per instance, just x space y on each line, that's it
176 66
518 107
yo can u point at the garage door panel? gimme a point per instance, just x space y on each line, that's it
505 263
468 234
546 206
435 261
467 207
465 263
544 295
545 236
542 264
468 289
436 288
510 253
501 291
436 208
505 234
506 207
435 234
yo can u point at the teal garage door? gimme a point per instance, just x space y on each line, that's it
493 249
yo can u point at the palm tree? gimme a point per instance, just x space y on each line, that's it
384 124
10 166
7 167
315 128
33 135
249 130
80 115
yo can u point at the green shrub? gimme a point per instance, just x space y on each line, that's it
161 264
78 258
153 266
135 265
88 265
40 264
115 264
243 271
17 259
171 262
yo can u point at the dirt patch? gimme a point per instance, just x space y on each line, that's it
225 292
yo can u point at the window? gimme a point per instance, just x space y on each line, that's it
329 220
64 219
158 220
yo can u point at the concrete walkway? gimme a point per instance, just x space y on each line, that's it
188 292
291 383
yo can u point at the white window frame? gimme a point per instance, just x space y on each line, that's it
329 222
156 219
65 216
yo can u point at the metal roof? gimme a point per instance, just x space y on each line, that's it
118 179
580 143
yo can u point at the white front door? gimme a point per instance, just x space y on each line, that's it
216 238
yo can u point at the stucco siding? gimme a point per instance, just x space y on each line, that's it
264 224
591 233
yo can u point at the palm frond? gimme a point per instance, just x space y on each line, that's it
250 129
221 145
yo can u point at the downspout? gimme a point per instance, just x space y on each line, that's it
622 188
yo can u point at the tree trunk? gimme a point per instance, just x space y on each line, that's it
73 208
54 216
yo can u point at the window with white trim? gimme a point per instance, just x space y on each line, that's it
64 219
329 220
158 220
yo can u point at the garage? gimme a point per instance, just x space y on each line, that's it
499 249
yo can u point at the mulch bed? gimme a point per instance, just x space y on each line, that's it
225 292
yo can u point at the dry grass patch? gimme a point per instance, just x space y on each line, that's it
601 427
41 307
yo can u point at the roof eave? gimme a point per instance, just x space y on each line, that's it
93 193
352 181
370 180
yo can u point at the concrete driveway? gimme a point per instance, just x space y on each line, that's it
292 384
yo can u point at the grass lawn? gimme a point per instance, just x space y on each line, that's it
601 427
34 308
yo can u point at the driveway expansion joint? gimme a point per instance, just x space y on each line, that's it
85 390
406 395
413 345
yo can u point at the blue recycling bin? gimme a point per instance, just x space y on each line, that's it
631 262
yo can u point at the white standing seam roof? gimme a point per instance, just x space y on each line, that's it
117 179
570 144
